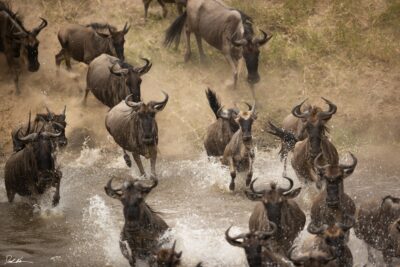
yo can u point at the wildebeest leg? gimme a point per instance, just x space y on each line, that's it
126 252
250 172
234 65
15 70
233 174
188 50
67 58
126 156
200 46
56 197
59 57
164 8
10 193
153 160
138 161
146 7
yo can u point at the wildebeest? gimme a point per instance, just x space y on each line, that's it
142 226
51 122
315 143
32 170
333 204
276 205
332 239
16 40
239 152
134 128
112 80
220 132
256 247
85 43
378 224
179 5
228 30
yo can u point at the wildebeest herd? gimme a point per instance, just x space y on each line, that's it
276 220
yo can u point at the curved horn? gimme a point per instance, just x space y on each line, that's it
161 105
42 25
28 129
326 115
111 191
312 229
299 260
126 28
222 113
59 126
348 225
131 104
291 183
29 138
50 135
49 113
263 40
147 189
253 190
65 109
22 32
297 112
143 70
238 43
119 72
349 169
232 240
271 232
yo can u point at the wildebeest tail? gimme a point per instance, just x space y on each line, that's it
287 137
213 101
174 31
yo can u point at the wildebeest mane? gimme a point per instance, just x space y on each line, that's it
101 26
6 7
247 25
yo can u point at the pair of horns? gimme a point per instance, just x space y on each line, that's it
157 105
347 169
258 41
123 71
225 114
34 136
324 115
117 193
261 235
280 189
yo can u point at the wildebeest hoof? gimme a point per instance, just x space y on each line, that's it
232 186
128 160
233 175
56 200
187 57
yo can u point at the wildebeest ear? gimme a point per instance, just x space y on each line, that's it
293 193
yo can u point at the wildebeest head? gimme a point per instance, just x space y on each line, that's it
131 194
117 38
334 176
274 198
146 123
315 124
169 257
29 42
252 243
394 236
251 53
312 258
390 211
42 147
245 121
55 123
131 76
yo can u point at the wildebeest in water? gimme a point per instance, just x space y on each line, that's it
112 80
17 43
32 170
134 128
227 29
142 226
85 43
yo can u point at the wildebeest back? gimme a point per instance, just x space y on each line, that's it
121 126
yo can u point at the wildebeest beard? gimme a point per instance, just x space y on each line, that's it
332 194
147 133
274 213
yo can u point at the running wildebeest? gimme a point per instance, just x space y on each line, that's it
333 239
142 226
220 132
378 224
18 43
32 170
333 204
85 43
112 80
255 245
134 128
239 152
315 143
51 122
179 6
276 205
227 29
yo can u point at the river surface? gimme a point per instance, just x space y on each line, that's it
192 196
